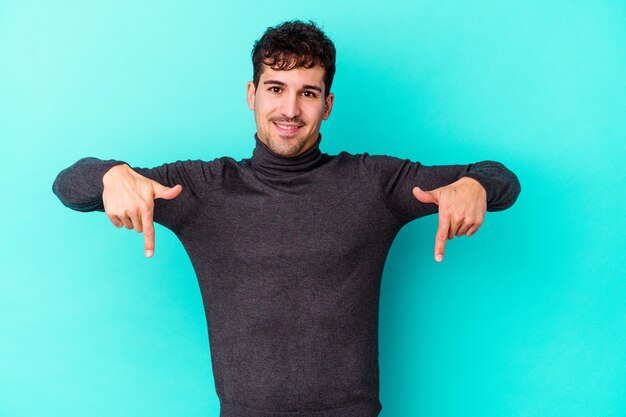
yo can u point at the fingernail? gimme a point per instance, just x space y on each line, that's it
439 258
149 253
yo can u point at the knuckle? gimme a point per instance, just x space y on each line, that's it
115 222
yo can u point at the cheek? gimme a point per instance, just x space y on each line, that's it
314 111
264 107
259 112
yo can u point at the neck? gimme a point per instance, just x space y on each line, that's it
267 161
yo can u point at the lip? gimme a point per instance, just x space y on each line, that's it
287 132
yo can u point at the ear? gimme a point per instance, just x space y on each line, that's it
328 105
250 95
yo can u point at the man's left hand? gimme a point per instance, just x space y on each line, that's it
462 208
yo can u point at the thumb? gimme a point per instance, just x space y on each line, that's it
161 191
426 196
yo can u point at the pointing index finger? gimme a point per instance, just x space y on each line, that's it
148 232
442 237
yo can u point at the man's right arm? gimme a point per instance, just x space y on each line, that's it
127 194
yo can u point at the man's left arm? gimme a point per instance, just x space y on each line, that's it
460 194
462 205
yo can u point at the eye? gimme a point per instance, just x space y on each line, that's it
309 94
275 89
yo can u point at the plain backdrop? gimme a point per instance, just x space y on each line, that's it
527 318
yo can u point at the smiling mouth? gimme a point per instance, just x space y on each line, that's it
287 129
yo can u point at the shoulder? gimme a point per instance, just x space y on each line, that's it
194 172
345 157
371 162
205 166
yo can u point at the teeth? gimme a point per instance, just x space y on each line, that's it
287 127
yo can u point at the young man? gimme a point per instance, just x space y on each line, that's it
289 245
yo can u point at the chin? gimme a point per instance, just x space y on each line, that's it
285 147
287 151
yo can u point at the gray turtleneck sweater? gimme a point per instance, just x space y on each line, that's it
289 254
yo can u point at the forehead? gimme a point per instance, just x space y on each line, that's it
295 76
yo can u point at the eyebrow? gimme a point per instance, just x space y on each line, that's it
282 84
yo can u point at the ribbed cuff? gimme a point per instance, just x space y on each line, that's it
368 409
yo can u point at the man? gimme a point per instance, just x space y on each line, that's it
289 245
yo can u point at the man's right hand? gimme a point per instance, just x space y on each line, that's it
129 201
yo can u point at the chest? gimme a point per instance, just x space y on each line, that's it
307 225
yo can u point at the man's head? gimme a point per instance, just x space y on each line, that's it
294 66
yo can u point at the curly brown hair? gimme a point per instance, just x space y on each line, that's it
294 44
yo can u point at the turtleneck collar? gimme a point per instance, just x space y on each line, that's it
268 162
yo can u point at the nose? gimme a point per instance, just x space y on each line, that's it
290 107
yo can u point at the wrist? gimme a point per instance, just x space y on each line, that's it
474 183
114 172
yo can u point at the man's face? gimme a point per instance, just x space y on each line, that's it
289 107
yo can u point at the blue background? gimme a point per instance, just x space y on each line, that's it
526 318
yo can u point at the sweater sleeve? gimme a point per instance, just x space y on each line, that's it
80 186
396 178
